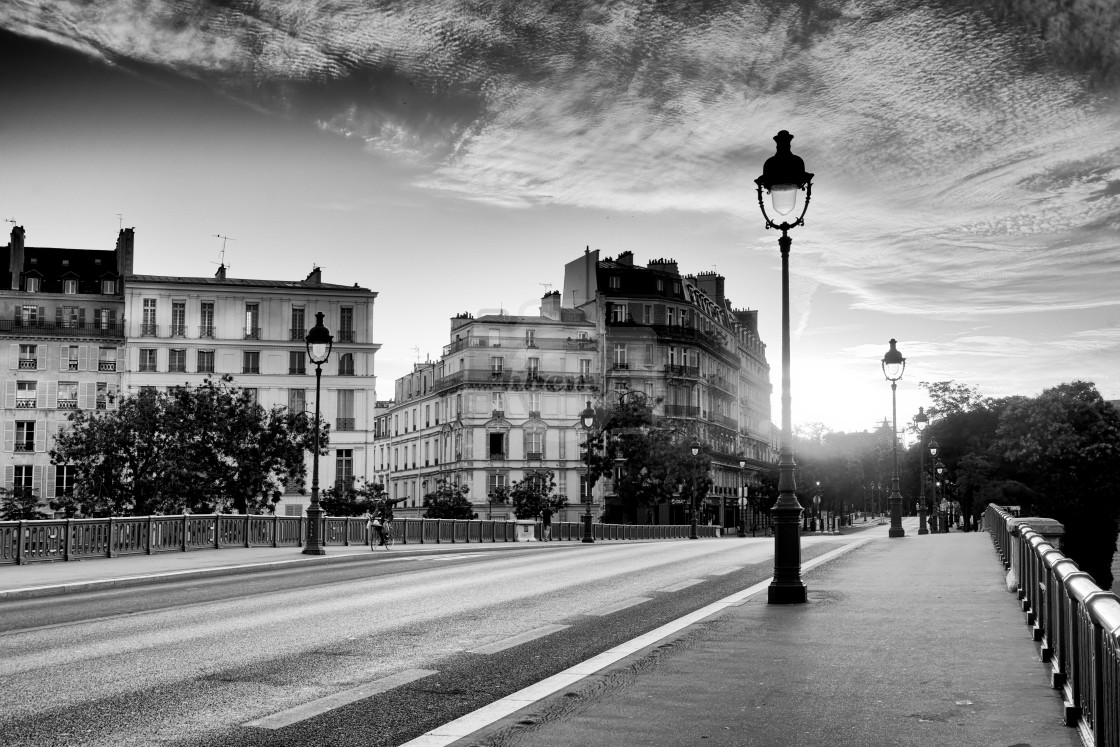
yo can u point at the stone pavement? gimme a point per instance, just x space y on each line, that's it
907 641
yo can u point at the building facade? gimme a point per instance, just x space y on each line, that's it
61 320
502 403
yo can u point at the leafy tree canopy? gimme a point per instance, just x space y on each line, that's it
530 495
449 501
205 448
20 505
352 499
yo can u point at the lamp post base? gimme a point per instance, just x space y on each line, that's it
692 535
922 528
314 531
588 536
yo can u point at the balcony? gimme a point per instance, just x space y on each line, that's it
674 369
252 333
24 446
106 366
553 381
534 455
344 424
297 334
346 335
682 411
71 365
149 330
206 332
296 370
68 403
54 329
619 366
28 364
178 330
27 404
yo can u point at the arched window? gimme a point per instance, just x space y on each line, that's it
346 364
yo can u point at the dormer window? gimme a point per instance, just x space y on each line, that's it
108 287
32 285
70 286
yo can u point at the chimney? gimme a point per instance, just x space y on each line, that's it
626 258
15 253
711 284
663 265
550 305
125 241
221 273
315 277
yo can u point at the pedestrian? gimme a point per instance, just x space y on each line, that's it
546 523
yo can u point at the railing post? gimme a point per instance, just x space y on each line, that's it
217 531
21 553
275 529
299 542
346 533
247 517
109 539
151 528
66 542
186 526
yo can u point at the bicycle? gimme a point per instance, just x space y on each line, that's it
384 536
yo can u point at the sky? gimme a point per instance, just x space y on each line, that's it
453 155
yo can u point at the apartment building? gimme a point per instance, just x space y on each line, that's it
183 329
677 338
61 314
502 402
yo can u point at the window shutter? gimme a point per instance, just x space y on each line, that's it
19 315
81 318
9 476
37 480
48 493
50 394
58 315
120 360
10 394
112 317
40 436
42 313
83 358
87 392
63 357
13 357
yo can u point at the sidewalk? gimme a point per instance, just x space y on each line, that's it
67 577
908 641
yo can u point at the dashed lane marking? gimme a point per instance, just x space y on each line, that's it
330 702
517 640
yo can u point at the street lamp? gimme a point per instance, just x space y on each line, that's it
742 490
319 342
783 176
695 448
893 366
933 446
940 469
587 417
816 524
921 420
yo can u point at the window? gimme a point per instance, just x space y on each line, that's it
147 359
293 509
534 444
615 282
495 481
343 466
495 337
497 444
178 318
498 401
29 315
28 357
206 361
251 362
497 365
583 494
206 319
620 356
68 395
106 359
345 410
70 286
297 362
617 312
647 314
26 395
69 316
427 415
533 368
584 366
297 400
298 330
253 394
24 480
31 285
177 360
64 475
25 435
346 324
148 322
252 321
106 319
530 338
102 400
346 364
108 287
70 356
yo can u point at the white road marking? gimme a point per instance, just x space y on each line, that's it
442 736
620 605
330 702
517 640
681 585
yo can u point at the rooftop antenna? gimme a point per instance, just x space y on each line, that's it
416 350
10 220
222 253
547 287
120 221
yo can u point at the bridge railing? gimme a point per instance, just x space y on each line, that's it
24 542
1074 621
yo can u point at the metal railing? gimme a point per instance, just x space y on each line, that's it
1075 622
65 329
23 542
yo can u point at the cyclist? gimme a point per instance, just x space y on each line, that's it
376 523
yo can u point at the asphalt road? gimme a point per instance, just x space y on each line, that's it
192 663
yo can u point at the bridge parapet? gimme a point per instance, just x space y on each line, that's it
1074 621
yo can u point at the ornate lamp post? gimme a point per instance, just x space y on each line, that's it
893 366
921 420
319 342
742 501
695 448
940 469
933 514
587 418
783 176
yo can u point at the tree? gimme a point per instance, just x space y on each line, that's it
448 501
20 505
352 499
205 448
530 495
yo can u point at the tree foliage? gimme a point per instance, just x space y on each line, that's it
205 448
449 501
352 499
20 505
530 495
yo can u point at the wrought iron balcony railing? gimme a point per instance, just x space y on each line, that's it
344 424
54 329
